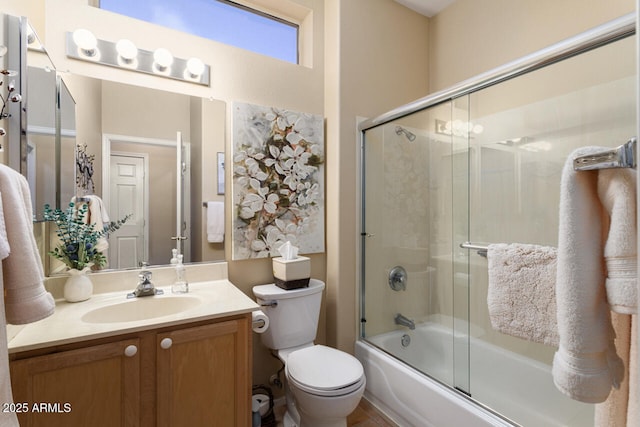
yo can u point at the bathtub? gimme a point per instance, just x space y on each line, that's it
521 388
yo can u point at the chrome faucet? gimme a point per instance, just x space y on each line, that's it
145 288
401 320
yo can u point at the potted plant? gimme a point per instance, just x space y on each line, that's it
77 248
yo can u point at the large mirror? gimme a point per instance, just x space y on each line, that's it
132 132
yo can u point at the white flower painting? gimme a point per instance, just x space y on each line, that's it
278 181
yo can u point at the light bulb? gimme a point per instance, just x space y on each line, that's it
86 41
31 36
162 59
127 50
195 66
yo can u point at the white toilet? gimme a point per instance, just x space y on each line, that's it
323 385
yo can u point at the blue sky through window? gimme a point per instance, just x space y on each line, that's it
218 21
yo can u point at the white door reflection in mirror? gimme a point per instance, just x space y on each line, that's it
160 201
128 246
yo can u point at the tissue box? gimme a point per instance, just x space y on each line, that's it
292 274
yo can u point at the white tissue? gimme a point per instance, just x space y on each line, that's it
259 321
288 251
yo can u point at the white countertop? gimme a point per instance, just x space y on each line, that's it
215 299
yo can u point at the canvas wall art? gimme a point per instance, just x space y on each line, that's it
278 181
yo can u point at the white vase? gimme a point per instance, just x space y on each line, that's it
78 286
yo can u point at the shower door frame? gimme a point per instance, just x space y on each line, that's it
602 35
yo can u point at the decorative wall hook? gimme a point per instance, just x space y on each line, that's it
11 96
84 165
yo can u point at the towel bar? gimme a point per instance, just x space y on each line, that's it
623 156
481 249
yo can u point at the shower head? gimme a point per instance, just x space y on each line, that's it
410 136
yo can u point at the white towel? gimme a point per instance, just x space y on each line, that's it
521 295
621 408
26 299
617 192
585 367
215 222
98 216
8 418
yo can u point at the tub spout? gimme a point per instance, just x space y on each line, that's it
402 320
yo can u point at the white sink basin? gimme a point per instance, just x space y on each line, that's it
144 308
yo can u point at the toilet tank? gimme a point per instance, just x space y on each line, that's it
294 320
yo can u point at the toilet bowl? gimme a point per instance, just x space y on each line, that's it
326 384
323 385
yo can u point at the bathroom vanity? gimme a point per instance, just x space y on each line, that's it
185 360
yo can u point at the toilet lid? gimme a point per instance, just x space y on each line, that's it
319 369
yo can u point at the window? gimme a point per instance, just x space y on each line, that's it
220 20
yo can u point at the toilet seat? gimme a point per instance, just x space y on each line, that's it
324 371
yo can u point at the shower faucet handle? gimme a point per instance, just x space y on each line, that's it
398 278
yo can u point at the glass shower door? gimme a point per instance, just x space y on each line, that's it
531 125
413 166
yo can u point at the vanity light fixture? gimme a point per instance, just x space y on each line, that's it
87 43
458 128
127 53
162 60
31 35
33 43
124 54
195 67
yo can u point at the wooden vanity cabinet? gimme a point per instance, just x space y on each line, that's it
203 376
196 374
97 386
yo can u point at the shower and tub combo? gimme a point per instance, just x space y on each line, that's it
480 163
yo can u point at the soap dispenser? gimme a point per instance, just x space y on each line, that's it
174 256
181 286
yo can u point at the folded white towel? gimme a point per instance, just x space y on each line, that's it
585 367
26 299
215 222
521 296
617 192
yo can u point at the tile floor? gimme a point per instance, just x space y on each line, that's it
365 415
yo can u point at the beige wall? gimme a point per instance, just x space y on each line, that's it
374 63
471 36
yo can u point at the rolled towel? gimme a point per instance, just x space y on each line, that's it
586 366
521 296
617 192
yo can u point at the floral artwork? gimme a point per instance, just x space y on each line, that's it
278 181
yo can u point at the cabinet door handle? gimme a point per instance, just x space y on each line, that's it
166 343
130 350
